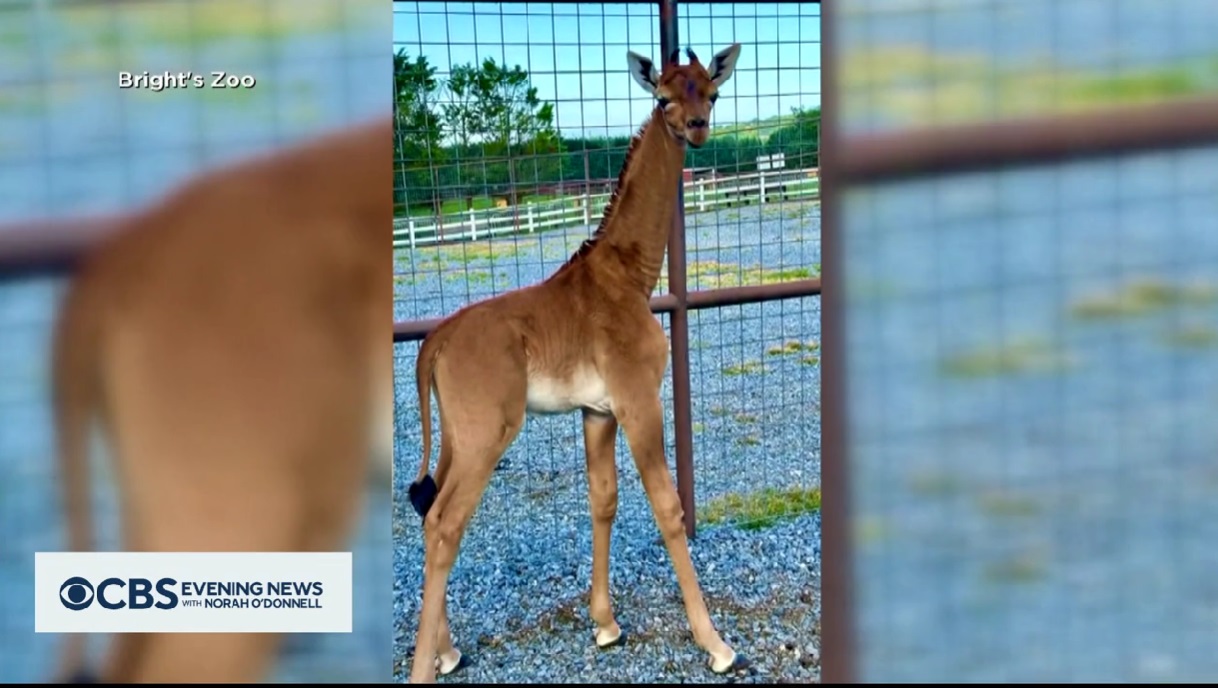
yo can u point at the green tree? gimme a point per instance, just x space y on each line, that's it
465 117
496 107
798 140
418 131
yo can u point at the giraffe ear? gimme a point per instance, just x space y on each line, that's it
644 71
724 63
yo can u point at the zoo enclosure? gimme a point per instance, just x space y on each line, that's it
696 193
858 162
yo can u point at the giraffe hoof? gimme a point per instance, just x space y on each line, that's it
616 642
740 663
462 663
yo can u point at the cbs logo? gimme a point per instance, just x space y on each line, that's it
78 593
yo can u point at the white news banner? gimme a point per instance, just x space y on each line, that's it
192 592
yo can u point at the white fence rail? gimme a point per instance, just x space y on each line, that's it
700 195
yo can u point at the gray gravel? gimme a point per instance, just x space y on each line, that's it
518 594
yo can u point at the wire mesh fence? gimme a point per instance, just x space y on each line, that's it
482 210
1030 345
75 140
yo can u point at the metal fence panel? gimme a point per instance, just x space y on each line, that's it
472 225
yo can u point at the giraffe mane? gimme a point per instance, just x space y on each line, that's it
611 207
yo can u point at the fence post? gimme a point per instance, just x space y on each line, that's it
473 225
701 195
410 224
838 648
683 433
761 187
530 218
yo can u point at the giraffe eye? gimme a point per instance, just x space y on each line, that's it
713 98
663 102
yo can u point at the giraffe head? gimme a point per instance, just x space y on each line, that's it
686 93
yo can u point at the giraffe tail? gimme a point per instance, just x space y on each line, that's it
423 490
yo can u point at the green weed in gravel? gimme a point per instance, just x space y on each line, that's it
763 508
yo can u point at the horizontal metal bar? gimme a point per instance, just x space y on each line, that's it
735 296
49 247
416 330
871 158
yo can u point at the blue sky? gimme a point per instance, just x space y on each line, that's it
779 66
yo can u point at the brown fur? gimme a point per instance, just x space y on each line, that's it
611 206
584 339
234 339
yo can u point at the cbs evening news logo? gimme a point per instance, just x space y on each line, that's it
150 592
78 594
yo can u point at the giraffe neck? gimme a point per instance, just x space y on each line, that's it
628 247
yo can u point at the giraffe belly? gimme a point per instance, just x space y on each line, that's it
584 389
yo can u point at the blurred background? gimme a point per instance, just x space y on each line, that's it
1031 338
1031 346
73 144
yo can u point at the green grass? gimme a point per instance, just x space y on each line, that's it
711 274
793 346
748 440
935 484
761 509
1011 359
1142 297
1192 337
456 206
746 368
1007 506
469 252
478 276
918 86
870 530
756 129
209 22
1025 567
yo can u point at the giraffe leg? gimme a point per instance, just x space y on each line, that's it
445 525
448 658
479 426
642 419
600 432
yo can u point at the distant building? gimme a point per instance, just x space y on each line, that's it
693 174
776 161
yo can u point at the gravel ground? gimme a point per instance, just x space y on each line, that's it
518 594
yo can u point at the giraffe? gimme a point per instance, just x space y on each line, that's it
584 339
233 339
